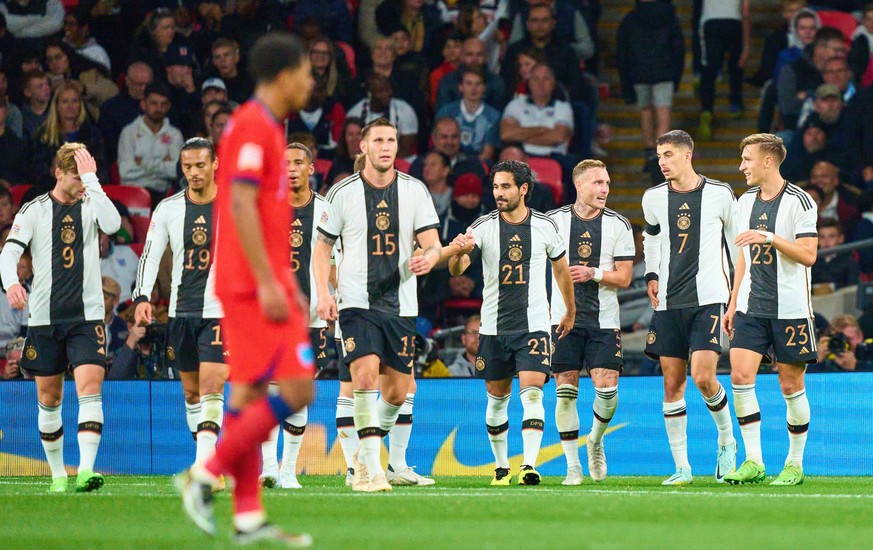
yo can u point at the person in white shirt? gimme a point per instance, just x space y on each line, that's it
543 124
381 103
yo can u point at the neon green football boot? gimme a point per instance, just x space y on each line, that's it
748 472
59 485
790 475
88 481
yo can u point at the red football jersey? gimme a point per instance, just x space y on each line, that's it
251 151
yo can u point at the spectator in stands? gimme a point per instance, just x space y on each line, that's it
7 207
225 65
67 121
13 152
406 85
38 94
249 20
446 137
473 55
63 63
837 78
465 208
14 118
329 70
464 364
542 123
864 231
122 109
116 328
420 19
832 272
650 57
479 122
213 89
843 347
807 147
152 40
30 21
141 355
840 125
799 78
77 33
119 261
777 40
436 172
184 97
570 26
208 111
726 28
218 122
323 117
561 58
804 28
347 148
527 59
408 61
148 149
541 197
474 20
451 60
839 200
862 46
332 15
381 103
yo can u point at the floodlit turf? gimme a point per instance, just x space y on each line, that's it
459 513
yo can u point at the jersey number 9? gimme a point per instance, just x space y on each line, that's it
69 256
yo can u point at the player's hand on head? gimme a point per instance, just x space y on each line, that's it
85 163
17 296
142 315
652 289
326 308
273 301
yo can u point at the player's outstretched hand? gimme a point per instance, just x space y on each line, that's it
17 296
565 326
420 265
750 237
142 315
326 308
274 301
464 242
727 322
652 288
85 163
581 273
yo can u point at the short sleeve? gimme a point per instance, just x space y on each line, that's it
331 223
408 120
246 159
425 214
512 111
625 249
555 246
563 114
653 226
23 226
805 218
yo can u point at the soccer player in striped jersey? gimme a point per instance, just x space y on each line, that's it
515 243
771 306
689 218
600 252
66 328
376 214
194 346
308 207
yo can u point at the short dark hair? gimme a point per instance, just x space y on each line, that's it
199 143
300 147
832 223
676 137
381 121
225 109
273 53
521 174
826 34
478 71
158 88
444 158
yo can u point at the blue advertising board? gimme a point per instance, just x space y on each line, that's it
146 433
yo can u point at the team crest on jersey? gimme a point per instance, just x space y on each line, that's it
584 250
650 339
296 239
349 345
383 222
68 235
199 237
171 353
30 353
515 251
684 222
480 364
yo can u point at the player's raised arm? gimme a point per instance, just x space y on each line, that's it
461 247
108 218
149 264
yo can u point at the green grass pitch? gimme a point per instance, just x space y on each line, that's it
459 513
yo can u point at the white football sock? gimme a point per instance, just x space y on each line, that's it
400 434
532 423
90 429
676 421
345 429
209 426
797 414
294 426
192 417
369 433
605 403
497 422
51 432
269 451
721 413
567 422
749 419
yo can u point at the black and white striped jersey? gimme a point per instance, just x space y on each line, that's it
65 247
597 242
514 258
187 226
688 241
377 228
774 286
302 237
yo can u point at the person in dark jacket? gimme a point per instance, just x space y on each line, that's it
650 57
862 46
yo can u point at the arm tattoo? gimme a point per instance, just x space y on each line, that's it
325 239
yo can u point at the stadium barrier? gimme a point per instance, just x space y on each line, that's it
145 431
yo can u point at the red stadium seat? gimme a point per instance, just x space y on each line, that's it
18 191
462 304
841 20
136 199
137 247
548 171
349 52
140 227
114 174
322 166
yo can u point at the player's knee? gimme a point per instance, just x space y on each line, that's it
704 380
192 396
571 378
49 398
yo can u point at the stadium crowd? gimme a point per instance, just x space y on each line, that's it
467 83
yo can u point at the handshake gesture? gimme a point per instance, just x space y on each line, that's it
464 243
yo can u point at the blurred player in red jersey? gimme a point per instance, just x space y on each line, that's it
264 328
